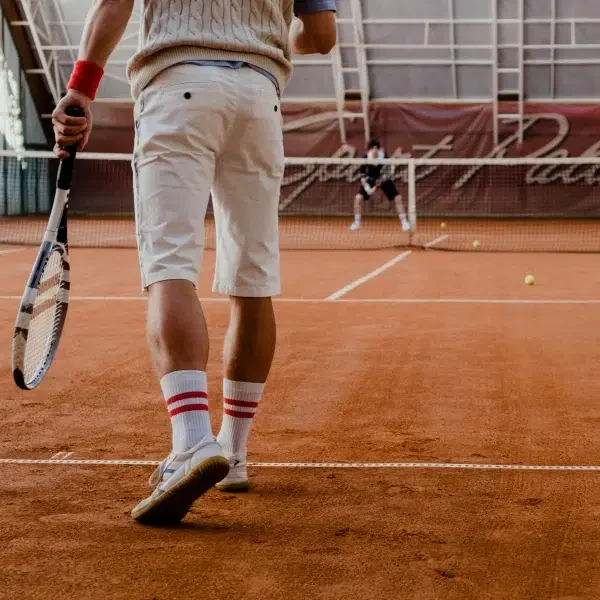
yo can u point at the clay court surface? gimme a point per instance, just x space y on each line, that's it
444 366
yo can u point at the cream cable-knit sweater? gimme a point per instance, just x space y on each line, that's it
175 31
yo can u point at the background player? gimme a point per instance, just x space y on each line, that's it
374 176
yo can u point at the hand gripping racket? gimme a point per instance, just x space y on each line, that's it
367 187
43 308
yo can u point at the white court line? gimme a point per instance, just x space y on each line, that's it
514 301
460 301
437 240
12 251
351 286
323 465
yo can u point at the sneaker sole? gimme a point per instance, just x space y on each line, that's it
172 506
234 486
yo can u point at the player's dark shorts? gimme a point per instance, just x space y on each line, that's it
388 187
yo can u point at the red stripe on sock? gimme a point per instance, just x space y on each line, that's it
187 396
187 408
241 403
238 414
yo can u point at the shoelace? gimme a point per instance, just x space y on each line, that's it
157 476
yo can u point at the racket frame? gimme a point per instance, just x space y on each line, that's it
55 240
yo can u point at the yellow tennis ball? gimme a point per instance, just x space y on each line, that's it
530 280
476 244
443 226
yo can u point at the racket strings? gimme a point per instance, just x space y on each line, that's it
46 317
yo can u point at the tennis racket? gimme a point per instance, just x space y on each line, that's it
43 309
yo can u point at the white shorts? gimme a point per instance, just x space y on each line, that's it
200 128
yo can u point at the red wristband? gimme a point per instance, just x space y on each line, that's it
86 78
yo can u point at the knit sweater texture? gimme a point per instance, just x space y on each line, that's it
176 31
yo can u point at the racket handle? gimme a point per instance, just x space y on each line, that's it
75 111
65 170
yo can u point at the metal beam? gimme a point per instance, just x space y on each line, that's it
42 99
361 63
31 12
340 92
47 21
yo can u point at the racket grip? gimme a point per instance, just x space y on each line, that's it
65 170
75 111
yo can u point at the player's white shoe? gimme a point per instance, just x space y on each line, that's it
237 478
355 226
405 224
180 480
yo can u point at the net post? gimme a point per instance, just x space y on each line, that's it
412 197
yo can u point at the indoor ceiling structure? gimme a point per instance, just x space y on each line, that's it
414 50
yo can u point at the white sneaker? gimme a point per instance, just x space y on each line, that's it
355 226
405 224
181 479
237 478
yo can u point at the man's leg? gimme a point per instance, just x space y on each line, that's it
178 340
174 169
246 199
402 213
250 340
247 358
358 210
391 192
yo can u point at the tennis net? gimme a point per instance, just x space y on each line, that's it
533 204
